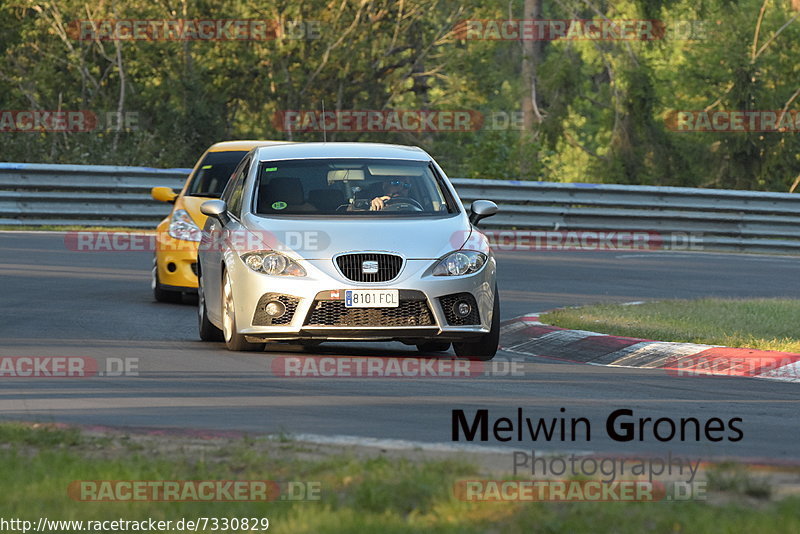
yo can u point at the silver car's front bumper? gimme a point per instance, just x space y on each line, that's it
305 294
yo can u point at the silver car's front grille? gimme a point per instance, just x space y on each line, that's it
412 310
361 267
333 313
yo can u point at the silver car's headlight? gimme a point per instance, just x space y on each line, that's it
181 226
271 262
459 263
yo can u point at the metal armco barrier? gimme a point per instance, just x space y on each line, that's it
718 219
96 195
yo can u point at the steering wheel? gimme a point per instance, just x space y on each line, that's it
397 204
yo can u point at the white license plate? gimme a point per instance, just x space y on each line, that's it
371 298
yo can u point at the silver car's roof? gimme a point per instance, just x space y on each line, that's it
341 150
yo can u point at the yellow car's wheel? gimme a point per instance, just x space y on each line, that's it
161 294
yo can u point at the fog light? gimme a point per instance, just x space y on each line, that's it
275 308
462 308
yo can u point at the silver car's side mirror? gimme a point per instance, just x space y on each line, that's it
215 208
481 209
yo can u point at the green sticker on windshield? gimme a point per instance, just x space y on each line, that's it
279 205
206 167
271 169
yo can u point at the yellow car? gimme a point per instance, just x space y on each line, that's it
178 236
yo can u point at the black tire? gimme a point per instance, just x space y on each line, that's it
159 293
434 346
208 332
484 348
233 340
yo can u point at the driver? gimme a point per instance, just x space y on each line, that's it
394 188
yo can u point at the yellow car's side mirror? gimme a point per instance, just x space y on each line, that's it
163 194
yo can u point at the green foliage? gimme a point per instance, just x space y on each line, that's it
604 104
365 491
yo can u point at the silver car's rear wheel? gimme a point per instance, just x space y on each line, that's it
233 340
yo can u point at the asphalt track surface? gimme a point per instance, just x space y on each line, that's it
57 302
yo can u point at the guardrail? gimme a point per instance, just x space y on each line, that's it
87 195
37 194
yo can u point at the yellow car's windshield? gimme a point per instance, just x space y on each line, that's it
214 172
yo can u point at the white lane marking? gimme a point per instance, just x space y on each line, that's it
656 353
521 321
512 327
402 444
562 337
784 373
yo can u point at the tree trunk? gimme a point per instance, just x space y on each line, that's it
531 58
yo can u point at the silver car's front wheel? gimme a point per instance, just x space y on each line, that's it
208 332
485 348
233 340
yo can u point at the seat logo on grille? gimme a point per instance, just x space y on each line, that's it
369 267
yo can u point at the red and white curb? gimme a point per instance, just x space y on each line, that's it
527 335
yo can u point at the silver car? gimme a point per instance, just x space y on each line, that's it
314 242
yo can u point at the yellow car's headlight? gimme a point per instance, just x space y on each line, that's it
181 226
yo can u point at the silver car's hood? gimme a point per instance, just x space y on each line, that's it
319 239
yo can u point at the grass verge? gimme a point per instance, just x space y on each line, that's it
359 494
766 324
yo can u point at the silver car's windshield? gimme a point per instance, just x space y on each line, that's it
350 187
